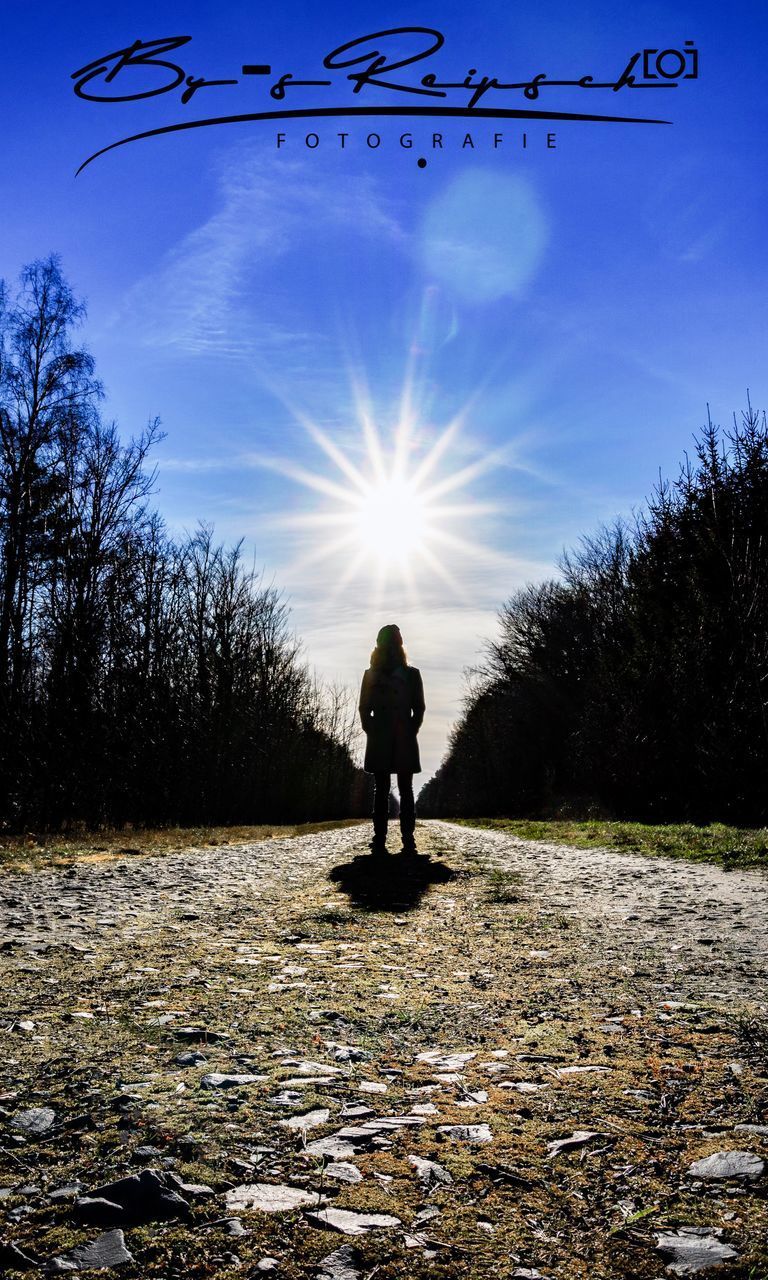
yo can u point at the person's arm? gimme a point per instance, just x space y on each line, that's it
418 706
364 705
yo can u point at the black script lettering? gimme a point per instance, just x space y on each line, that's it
287 82
377 61
142 53
195 83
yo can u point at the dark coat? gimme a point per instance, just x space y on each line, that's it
392 709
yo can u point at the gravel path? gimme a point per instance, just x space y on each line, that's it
92 901
712 924
535 1056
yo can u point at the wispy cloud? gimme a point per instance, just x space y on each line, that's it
194 465
208 296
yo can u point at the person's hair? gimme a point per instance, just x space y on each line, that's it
390 651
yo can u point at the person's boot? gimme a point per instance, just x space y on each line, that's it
379 841
409 844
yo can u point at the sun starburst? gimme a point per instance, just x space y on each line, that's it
391 512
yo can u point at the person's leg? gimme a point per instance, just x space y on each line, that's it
381 782
407 807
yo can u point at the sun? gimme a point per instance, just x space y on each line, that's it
388 513
393 520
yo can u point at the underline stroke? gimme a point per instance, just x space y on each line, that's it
484 113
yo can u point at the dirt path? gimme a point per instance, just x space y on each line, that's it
296 1016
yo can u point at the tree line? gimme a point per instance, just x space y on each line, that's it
635 684
143 678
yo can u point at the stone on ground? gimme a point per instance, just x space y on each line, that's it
221 1080
342 1171
34 1121
16 1259
105 1251
728 1164
429 1170
270 1197
443 1061
474 1134
334 1148
342 1264
200 1033
579 1138
351 1223
694 1249
141 1197
310 1119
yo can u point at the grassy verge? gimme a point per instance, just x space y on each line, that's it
729 846
27 851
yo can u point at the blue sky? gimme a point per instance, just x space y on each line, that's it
570 310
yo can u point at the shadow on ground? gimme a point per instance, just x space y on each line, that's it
387 882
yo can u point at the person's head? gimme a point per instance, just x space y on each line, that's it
389 652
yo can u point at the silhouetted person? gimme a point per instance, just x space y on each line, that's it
392 709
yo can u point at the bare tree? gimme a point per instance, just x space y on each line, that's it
141 679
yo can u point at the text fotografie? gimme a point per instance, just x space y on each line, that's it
340 140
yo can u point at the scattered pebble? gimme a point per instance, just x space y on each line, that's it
200 1033
342 1171
429 1171
190 1058
579 1138
220 1080
443 1061
474 1134
310 1120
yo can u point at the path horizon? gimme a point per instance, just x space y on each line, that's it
500 1058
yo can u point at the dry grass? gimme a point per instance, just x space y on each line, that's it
28 850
